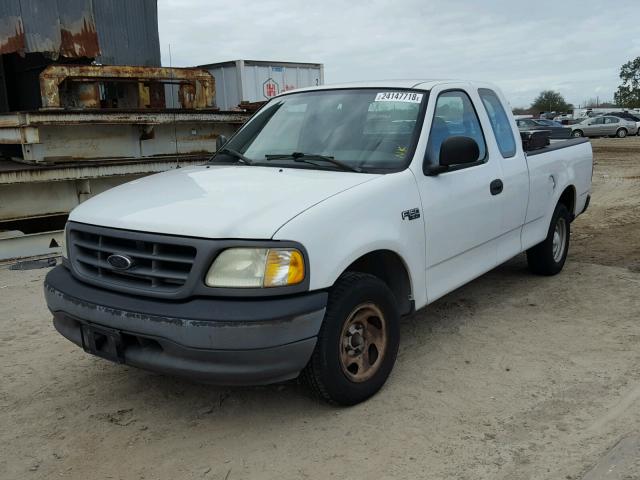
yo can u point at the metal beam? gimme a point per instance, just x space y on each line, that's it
19 135
31 245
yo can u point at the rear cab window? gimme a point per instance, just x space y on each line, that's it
499 122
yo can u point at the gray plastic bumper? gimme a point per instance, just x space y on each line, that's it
224 341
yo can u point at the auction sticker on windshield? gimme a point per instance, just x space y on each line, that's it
409 97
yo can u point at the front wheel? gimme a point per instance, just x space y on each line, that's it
358 342
621 133
577 133
548 257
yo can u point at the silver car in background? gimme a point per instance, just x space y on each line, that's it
604 126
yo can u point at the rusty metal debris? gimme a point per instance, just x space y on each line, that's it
117 86
12 35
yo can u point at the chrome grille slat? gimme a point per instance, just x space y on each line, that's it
160 266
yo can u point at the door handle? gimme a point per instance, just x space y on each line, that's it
496 187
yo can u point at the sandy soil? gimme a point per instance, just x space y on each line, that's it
511 377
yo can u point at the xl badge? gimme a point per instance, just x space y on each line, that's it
411 214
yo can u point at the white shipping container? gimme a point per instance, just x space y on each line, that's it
257 81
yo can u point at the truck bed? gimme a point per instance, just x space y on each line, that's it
558 145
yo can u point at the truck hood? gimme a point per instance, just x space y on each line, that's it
223 201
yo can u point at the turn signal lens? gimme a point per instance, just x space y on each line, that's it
284 267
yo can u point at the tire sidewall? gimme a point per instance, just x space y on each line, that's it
561 211
339 387
621 133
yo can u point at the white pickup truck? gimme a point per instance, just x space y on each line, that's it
328 216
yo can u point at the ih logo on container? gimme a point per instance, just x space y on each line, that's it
270 88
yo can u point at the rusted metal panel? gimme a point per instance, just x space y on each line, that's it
11 35
11 28
78 33
57 27
196 86
113 31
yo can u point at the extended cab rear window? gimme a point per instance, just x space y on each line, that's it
499 122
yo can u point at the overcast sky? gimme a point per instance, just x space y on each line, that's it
573 46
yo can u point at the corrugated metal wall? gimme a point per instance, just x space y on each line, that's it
128 32
122 32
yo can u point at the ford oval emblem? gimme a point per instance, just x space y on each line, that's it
120 262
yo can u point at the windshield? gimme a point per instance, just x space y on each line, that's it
366 129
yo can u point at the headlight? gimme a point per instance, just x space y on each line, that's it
256 267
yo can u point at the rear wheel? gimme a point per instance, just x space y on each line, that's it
621 133
358 342
548 257
577 133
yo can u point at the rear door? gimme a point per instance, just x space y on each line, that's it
611 125
462 217
514 176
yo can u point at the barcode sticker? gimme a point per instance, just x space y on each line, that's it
408 97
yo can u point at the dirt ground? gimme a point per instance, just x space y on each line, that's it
511 377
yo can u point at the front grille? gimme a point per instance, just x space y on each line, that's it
159 266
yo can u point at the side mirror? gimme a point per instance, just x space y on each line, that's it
221 141
455 150
458 150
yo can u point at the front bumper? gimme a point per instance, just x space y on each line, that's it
222 341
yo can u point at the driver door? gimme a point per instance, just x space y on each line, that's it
462 215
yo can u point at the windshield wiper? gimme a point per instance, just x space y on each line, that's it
306 157
235 154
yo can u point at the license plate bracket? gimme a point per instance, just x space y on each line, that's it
103 342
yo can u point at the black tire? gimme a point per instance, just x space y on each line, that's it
577 133
541 257
621 133
324 373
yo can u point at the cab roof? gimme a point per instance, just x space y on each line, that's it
418 84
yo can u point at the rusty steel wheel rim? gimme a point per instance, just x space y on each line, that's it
363 342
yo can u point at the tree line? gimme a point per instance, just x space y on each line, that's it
627 95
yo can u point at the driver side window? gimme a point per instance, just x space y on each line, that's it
454 116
